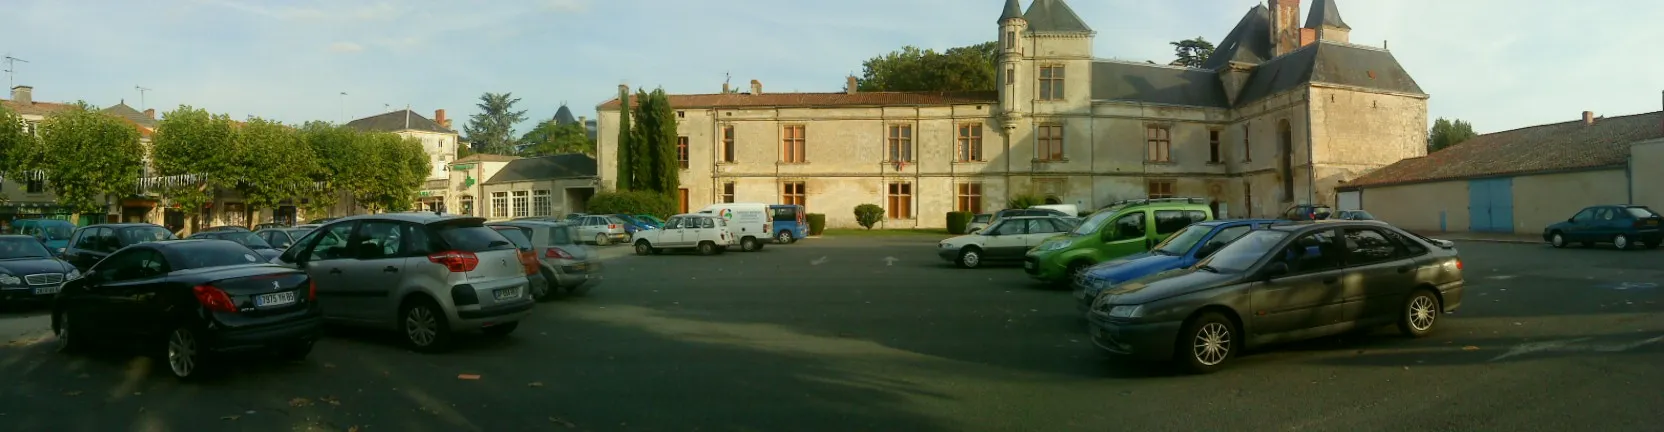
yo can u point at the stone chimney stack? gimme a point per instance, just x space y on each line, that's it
23 95
150 113
851 86
1588 118
439 117
1285 26
725 88
756 87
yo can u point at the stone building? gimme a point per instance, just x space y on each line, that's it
1279 115
438 140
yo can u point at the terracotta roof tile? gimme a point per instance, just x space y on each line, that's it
35 108
1552 147
743 100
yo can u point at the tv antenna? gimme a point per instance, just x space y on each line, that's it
141 90
11 70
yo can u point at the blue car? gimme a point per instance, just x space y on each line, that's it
789 224
631 224
1182 249
54 233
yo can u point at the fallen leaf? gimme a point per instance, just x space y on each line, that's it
535 384
562 422
331 400
72 393
300 402
329 365
468 377
230 417
1470 348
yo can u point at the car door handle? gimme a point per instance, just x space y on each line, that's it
390 269
334 271
1405 269
1331 281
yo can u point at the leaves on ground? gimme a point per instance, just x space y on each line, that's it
72 393
468 376
230 417
300 402
1470 348
331 400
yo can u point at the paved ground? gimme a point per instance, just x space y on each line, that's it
825 335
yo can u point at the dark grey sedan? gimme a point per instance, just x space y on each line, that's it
1285 283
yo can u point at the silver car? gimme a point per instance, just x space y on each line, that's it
569 265
601 229
428 276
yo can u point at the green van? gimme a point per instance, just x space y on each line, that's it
1124 228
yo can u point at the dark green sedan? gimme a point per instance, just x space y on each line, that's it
1624 226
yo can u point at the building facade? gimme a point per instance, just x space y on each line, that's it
437 138
548 186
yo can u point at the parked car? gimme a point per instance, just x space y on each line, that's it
566 262
1354 215
650 218
978 222
1005 241
190 301
91 243
282 238
631 224
1181 250
1285 283
429 276
790 222
639 223
1027 212
1069 210
269 225
225 228
1624 226
321 221
751 223
30 272
521 237
601 229
1122 229
247 239
1308 212
308 226
53 232
707 233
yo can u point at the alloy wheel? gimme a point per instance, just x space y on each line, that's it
182 352
421 326
1558 240
1423 312
1213 344
600 239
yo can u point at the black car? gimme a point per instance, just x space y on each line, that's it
91 243
28 271
192 301
245 238
226 228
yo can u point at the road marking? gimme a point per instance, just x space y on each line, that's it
890 261
1501 277
818 261
1629 346
1572 345
1528 348
1633 285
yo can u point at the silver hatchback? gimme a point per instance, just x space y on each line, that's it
571 267
425 275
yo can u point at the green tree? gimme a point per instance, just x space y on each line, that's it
87 156
626 138
393 171
337 160
868 214
492 130
966 68
15 141
276 164
1192 52
1446 133
190 141
656 161
551 138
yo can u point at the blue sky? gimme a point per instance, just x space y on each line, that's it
1500 64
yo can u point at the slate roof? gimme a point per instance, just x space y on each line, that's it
1327 62
133 115
564 116
1324 13
1553 147
395 121
769 100
1248 42
563 166
1143 82
1012 10
1053 16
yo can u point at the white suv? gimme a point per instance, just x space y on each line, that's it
707 233
426 275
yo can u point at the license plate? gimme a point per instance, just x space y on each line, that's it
1028 265
46 290
580 266
507 293
1652 222
274 299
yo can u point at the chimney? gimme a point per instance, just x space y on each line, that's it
851 84
583 121
756 87
1285 26
439 117
151 113
1588 118
23 95
724 88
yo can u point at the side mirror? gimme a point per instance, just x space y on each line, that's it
1274 270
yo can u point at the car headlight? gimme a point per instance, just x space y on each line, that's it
1127 311
6 279
1051 246
73 275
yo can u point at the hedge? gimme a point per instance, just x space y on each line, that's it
1025 201
868 215
633 203
817 223
957 221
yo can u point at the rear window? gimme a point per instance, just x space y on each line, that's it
1641 212
135 235
212 254
471 237
562 235
516 235
983 218
784 214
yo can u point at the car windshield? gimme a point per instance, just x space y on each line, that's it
517 236
1237 256
1091 225
628 219
1180 242
22 248
135 235
53 231
194 255
252 240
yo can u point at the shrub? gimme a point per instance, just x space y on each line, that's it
632 203
868 214
817 223
957 221
1025 201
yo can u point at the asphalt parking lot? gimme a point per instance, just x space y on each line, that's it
877 333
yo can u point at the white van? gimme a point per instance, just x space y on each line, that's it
749 222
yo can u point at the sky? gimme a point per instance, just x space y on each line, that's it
1499 64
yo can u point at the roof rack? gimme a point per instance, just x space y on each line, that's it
1146 201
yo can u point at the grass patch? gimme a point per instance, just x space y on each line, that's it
857 232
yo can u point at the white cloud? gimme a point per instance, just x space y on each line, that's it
345 47
566 5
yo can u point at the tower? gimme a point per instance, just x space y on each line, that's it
1012 26
1285 26
1325 19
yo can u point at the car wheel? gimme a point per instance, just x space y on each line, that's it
1076 269
970 257
550 287
68 337
1208 343
184 354
600 239
295 351
785 237
1622 242
707 248
643 248
424 325
1421 312
748 244
501 329
1557 240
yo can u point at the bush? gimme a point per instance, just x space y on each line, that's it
957 221
868 214
817 223
1025 201
633 203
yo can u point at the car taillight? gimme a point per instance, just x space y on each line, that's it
312 291
214 299
557 253
1458 264
612 226
456 261
1640 223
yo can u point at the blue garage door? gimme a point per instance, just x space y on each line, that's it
1491 205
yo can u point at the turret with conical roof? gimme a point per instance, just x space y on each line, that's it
1325 19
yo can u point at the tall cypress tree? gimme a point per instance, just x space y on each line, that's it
669 178
626 166
655 136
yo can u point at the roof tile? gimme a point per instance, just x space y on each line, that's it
745 100
1552 147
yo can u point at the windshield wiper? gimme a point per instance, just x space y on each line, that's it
1207 268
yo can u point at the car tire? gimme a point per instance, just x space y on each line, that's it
1622 242
600 239
1419 314
69 339
748 244
423 325
501 330
295 351
1075 269
1557 240
184 356
550 288
707 248
785 237
970 257
1207 343
643 248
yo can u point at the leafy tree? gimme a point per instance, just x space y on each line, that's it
190 141
275 164
394 171
868 214
15 141
1446 133
967 68
626 143
338 160
1192 52
552 138
492 130
657 167
87 156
